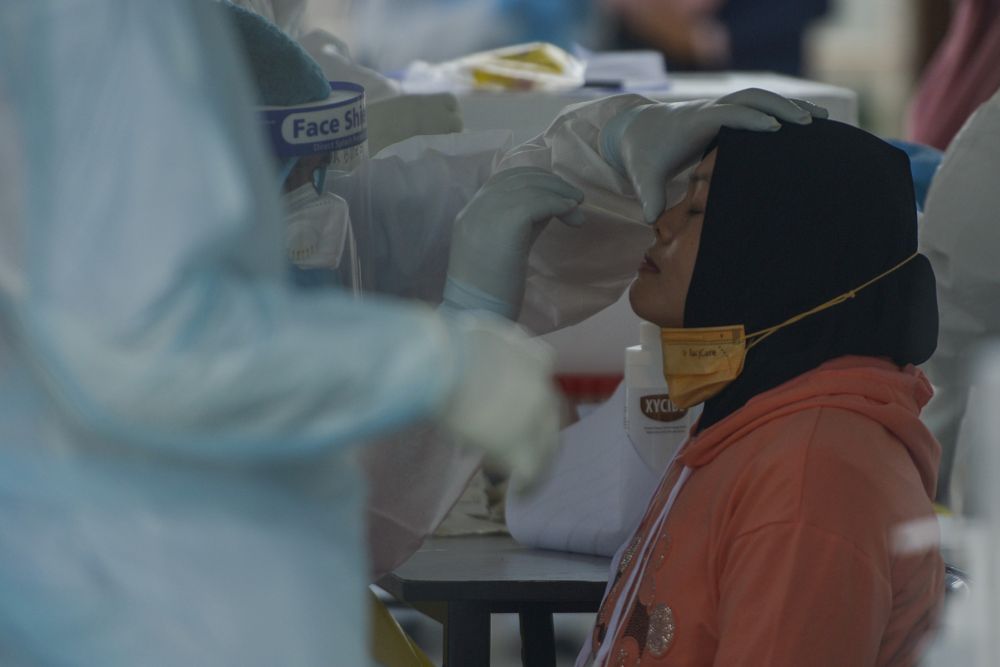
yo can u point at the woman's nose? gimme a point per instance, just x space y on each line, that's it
661 228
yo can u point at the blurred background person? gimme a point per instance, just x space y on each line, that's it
878 49
764 35
963 74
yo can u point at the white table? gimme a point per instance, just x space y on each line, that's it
461 581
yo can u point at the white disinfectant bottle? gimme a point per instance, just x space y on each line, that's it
656 427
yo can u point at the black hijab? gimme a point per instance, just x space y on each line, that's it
794 219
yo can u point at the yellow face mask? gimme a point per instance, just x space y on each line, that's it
698 363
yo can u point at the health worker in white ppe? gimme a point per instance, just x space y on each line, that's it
960 235
412 248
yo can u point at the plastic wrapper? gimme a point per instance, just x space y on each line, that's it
523 67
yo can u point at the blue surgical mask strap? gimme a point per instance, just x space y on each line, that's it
318 175
286 169
319 179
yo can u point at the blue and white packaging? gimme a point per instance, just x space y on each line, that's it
338 124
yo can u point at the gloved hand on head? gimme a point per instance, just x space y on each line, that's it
493 235
505 402
653 143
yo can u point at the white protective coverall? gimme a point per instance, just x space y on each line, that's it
960 234
177 481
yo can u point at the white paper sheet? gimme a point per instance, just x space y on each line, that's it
595 492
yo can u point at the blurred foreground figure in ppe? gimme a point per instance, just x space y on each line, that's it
177 469
961 76
961 237
795 526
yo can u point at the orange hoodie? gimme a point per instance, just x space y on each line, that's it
783 547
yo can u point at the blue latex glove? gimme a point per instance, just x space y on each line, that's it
494 233
924 161
652 143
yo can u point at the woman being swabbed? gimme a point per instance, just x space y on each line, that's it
795 527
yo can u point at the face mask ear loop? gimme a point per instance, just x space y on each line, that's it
757 337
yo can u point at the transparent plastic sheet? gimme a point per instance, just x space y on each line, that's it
416 477
177 481
414 480
413 213
349 179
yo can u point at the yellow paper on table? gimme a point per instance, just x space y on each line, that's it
531 66
391 646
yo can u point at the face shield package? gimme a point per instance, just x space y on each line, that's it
329 216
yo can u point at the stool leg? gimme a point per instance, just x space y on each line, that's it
538 641
467 635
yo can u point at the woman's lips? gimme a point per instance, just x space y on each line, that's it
648 266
